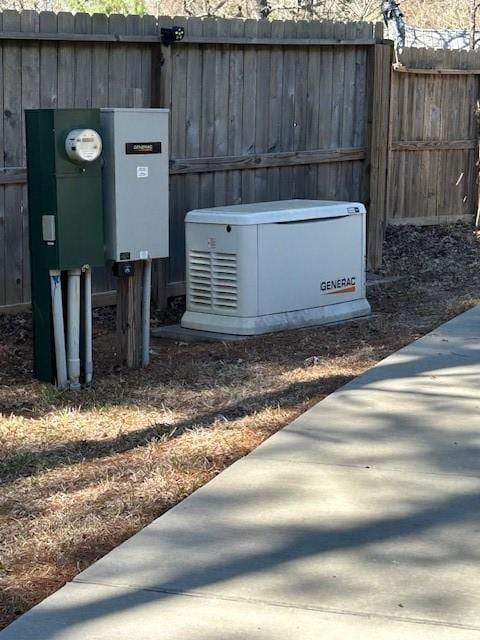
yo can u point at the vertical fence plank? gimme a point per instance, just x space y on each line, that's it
222 91
248 109
274 125
83 61
474 157
193 141
235 110
287 183
433 131
3 243
404 117
207 91
99 63
447 85
150 27
456 129
325 186
117 59
465 191
160 66
66 63
157 93
30 66
469 200
415 175
300 107
348 113
312 115
338 103
393 126
363 30
379 153
262 91
178 202
13 142
454 172
133 65
30 75
48 62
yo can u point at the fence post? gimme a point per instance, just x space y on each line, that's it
378 152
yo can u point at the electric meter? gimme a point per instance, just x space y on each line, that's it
83 145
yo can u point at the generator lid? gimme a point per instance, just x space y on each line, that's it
279 211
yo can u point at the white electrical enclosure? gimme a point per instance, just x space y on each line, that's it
135 183
269 266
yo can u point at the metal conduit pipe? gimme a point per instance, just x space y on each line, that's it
58 328
147 288
87 289
73 328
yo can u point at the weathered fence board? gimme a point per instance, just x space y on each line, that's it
380 97
12 146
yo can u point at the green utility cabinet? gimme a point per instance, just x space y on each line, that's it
65 209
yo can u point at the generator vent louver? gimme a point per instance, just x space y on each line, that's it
213 279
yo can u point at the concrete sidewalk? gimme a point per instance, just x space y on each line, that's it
359 520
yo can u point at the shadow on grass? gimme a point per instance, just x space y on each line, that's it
197 367
27 463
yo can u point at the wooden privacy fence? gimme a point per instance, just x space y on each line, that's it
433 141
259 111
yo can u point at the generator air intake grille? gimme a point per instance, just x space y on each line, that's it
213 279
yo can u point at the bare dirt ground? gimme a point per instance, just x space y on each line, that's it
79 473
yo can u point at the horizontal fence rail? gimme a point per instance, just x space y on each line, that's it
437 72
433 145
18 175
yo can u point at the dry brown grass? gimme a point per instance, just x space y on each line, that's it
80 473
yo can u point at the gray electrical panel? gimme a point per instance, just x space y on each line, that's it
135 183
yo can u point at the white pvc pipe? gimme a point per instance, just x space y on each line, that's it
87 284
147 288
58 329
73 328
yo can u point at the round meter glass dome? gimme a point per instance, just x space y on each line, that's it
83 145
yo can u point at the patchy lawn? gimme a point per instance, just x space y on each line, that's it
79 473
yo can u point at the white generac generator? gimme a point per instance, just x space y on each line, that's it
270 266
